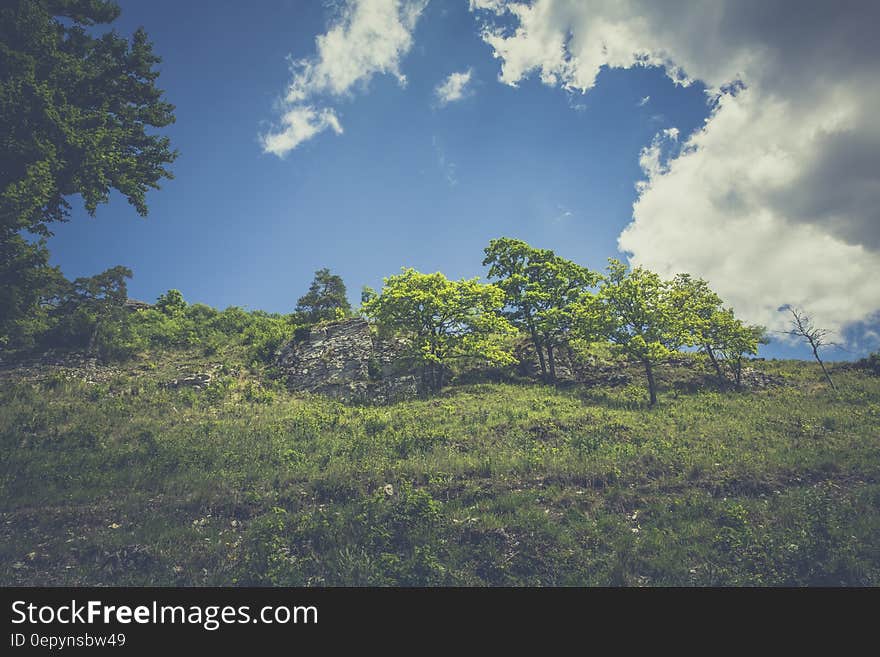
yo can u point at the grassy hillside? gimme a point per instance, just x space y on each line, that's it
111 477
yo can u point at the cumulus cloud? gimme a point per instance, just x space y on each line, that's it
368 38
453 88
776 199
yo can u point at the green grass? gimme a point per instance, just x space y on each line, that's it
125 482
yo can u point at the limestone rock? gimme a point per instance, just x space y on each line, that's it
344 360
135 304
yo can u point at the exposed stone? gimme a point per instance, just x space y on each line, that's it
135 304
346 361
195 381
73 367
756 379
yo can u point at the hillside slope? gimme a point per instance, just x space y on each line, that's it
190 470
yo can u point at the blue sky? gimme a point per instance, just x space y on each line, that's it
409 182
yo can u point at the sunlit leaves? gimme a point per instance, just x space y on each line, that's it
442 320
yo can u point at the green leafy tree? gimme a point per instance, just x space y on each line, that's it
75 110
715 330
171 303
325 300
540 291
442 320
636 310
92 311
734 341
29 287
696 307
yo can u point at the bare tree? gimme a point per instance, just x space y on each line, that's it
802 327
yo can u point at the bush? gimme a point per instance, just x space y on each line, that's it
871 363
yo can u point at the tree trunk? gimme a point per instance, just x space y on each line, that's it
652 388
824 371
540 352
715 362
551 362
737 373
93 338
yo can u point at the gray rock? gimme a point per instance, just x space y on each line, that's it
346 361
195 381
135 304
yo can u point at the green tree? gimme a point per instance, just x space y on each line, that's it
27 286
540 291
696 307
636 310
75 110
325 300
735 341
704 323
91 311
442 320
171 303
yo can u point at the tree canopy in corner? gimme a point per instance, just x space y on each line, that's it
76 108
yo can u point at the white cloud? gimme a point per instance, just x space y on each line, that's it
651 157
299 124
776 199
489 5
453 88
369 37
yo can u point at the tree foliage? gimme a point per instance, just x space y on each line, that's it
713 329
75 110
171 303
635 310
442 320
541 290
91 311
27 285
735 340
326 299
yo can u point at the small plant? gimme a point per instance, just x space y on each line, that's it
253 392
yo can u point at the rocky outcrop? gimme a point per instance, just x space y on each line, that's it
752 378
346 361
135 304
